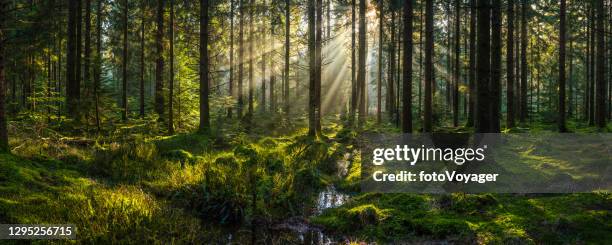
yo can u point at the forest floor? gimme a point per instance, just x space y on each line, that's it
132 186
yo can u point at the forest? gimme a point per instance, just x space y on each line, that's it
241 121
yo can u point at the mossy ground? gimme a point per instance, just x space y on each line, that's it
132 186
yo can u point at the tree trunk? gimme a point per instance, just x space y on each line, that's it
472 68
362 63
312 125
71 97
483 67
142 62
600 73
407 69
4 146
124 112
353 105
457 71
251 40
263 64
510 66
171 66
231 64
319 65
561 88
495 83
159 69
241 60
390 77
98 65
287 50
380 63
524 67
87 54
204 89
429 73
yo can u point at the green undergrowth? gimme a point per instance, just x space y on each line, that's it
469 218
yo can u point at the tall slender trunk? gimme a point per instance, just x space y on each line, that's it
251 57
429 73
204 89
524 67
312 125
362 63
171 66
159 56
457 70
98 65
380 63
407 69
4 145
71 99
319 65
510 66
231 64
483 67
263 62
124 112
78 60
272 75
570 58
390 77
287 51
600 73
142 62
87 52
561 88
241 60
592 65
353 105
472 66
495 83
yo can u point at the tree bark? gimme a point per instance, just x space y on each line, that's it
524 72
98 65
407 69
204 89
429 73
600 73
472 66
312 126
241 60
159 69
231 64
142 62
171 66
124 112
71 97
251 57
362 63
287 50
483 67
353 105
495 83
457 62
561 88
4 145
380 63
510 66
319 65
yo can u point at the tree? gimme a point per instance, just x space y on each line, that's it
231 59
98 63
524 66
472 66
312 125
407 69
142 61
171 79
457 63
429 76
353 105
124 102
241 60
380 62
263 63
495 83
251 40
159 69
4 145
204 89
600 73
483 67
319 63
510 66
562 40
287 50
362 63
87 54
72 82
